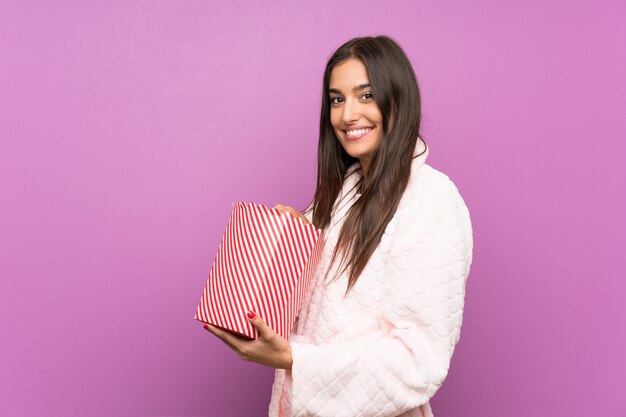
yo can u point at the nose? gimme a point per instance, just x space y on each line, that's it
351 111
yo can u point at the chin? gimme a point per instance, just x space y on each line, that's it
358 150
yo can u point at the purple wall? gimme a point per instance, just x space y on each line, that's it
129 127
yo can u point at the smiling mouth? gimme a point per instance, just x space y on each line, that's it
357 134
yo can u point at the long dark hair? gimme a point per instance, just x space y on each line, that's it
395 90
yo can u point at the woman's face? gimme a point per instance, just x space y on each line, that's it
354 114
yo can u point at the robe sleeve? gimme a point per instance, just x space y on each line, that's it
423 288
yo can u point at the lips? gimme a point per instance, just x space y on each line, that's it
359 136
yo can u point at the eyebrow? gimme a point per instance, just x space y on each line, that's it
358 87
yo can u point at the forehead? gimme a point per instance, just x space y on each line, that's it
347 75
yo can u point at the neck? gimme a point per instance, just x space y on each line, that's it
364 165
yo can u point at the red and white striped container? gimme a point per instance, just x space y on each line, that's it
265 263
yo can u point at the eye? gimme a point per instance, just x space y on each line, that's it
368 94
332 100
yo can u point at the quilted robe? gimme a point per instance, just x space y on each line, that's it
385 348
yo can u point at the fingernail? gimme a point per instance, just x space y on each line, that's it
206 326
251 315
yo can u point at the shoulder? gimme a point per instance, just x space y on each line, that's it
432 204
428 185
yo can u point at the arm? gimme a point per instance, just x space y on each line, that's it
420 316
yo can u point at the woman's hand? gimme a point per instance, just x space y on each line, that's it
269 349
294 212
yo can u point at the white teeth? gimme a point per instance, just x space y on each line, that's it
357 132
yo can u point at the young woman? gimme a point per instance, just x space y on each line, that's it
383 313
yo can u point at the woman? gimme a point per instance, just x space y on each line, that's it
382 316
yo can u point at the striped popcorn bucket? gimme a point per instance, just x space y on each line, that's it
265 263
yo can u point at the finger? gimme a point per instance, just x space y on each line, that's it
290 210
257 321
281 208
284 208
217 332
222 333
224 336
295 213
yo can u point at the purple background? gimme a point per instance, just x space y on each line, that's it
129 127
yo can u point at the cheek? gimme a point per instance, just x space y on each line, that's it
376 116
335 118
377 140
